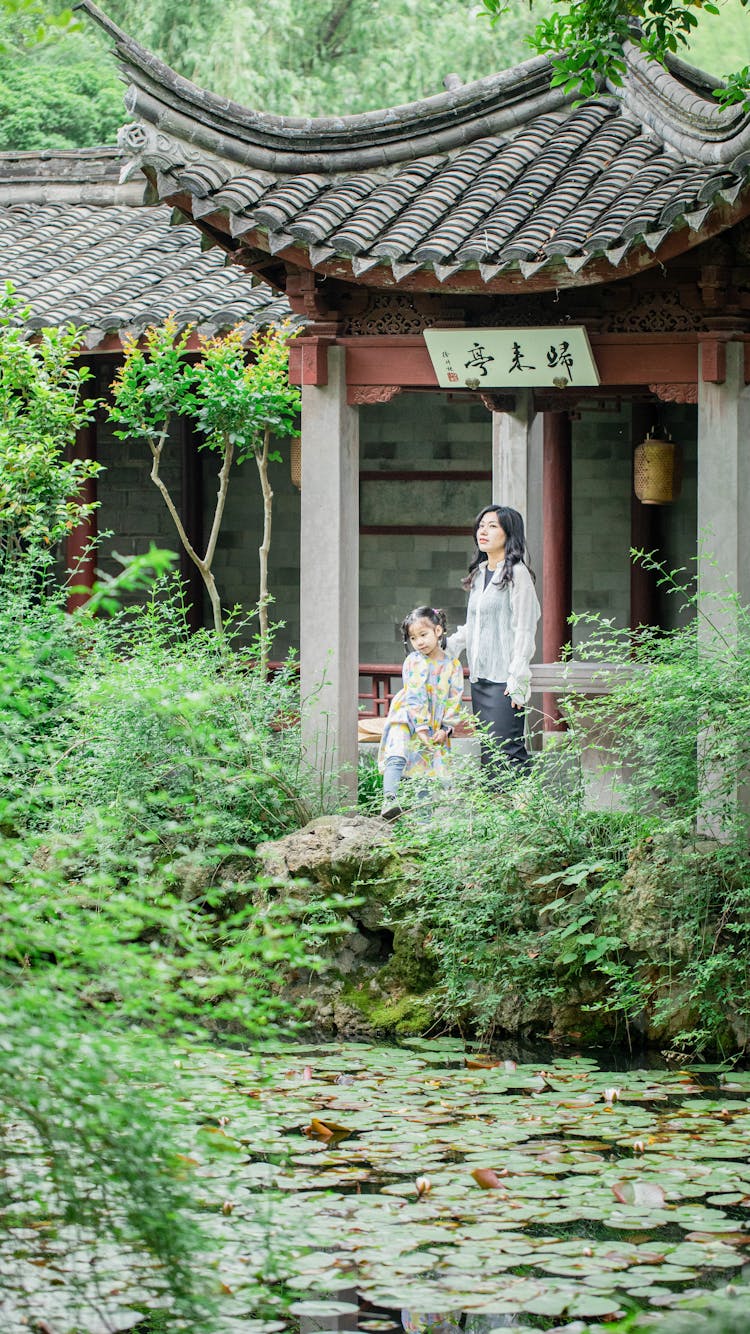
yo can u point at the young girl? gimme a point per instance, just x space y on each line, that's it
416 737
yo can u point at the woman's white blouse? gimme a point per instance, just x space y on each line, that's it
499 636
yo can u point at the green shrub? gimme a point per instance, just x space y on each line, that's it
632 922
139 767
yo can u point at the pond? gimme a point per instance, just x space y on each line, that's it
391 1188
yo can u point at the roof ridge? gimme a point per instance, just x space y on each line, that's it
696 126
493 104
67 175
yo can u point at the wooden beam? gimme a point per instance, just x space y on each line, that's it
621 359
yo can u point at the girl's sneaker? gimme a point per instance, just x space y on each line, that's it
390 809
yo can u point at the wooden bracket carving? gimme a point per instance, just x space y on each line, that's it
675 393
360 394
713 361
308 361
308 297
499 402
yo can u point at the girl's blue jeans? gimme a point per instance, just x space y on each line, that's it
392 772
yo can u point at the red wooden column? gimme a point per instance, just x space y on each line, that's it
80 547
557 548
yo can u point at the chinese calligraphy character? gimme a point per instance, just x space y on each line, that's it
478 359
561 356
517 364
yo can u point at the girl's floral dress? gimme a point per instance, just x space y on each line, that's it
430 698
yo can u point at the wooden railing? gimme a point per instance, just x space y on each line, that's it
378 683
384 680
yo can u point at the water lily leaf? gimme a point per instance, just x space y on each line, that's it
548 1303
322 1310
647 1193
588 1304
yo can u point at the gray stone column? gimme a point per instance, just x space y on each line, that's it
329 578
517 462
723 538
517 465
510 454
724 481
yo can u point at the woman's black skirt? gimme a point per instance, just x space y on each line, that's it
502 744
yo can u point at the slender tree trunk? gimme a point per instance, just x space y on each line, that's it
203 563
262 461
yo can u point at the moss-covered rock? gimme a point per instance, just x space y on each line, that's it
400 1016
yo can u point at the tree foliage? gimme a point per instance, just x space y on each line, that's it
236 403
587 39
59 86
41 408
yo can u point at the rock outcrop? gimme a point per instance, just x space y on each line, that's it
378 980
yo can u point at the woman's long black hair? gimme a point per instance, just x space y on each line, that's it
515 545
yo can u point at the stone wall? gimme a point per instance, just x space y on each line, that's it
133 509
236 562
417 433
130 507
602 485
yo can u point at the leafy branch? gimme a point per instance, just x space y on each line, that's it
587 41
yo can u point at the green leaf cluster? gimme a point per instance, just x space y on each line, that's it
232 393
41 408
586 39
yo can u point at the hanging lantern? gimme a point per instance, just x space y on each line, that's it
657 470
295 462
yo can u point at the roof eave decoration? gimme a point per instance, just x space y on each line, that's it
500 184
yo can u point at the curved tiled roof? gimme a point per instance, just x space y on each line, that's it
82 248
502 177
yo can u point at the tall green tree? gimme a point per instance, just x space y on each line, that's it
57 88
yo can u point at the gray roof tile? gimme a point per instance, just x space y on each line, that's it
115 266
504 173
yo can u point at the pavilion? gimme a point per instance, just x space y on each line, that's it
503 291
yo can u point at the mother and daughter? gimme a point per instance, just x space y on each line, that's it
498 639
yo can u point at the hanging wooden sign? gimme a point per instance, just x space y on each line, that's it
493 358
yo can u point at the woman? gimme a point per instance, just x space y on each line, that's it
499 634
